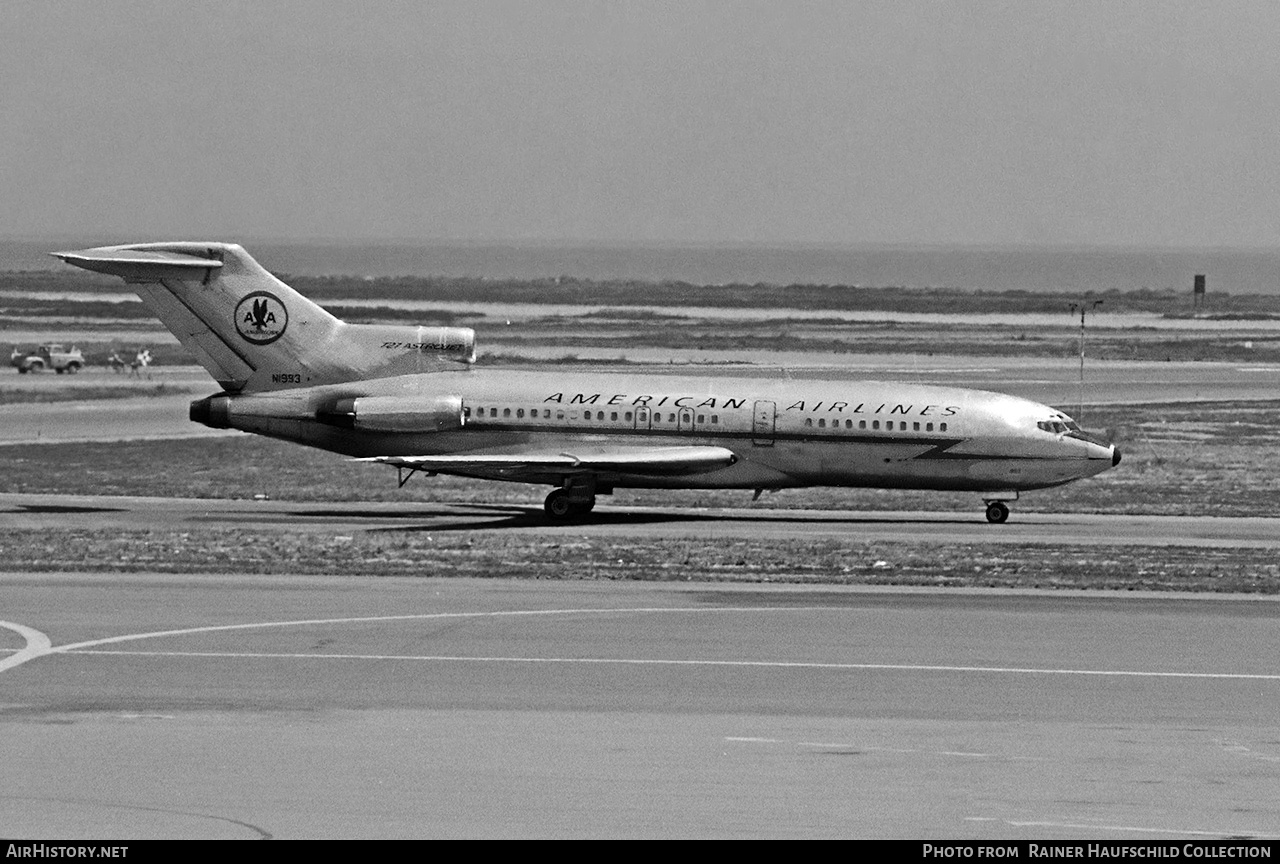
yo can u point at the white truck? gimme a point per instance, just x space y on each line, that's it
49 356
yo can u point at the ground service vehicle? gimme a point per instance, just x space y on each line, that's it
48 356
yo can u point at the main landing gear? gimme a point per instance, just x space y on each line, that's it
561 505
997 512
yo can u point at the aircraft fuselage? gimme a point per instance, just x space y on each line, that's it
784 433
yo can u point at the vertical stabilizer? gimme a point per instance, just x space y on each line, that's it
253 332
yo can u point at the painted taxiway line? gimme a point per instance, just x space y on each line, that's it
1235 834
38 645
735 664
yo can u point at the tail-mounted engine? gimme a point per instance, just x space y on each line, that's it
271 412
395 414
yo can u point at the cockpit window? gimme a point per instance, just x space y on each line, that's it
1059 426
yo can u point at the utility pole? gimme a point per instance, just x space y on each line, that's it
1084 306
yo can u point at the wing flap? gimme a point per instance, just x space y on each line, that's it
650 461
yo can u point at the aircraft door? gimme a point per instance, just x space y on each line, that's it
762 424
684 420
643 418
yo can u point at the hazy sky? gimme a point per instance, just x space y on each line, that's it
1152 122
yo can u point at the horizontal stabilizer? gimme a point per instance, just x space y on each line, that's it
135 264
651 461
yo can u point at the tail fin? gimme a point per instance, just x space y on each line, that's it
252 332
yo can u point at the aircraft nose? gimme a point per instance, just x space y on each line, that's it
1115 456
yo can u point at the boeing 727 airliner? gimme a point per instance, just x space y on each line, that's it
411 397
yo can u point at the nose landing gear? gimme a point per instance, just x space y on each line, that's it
997 509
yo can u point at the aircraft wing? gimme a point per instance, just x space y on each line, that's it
645 461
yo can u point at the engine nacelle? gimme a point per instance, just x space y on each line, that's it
396 413
259 412
231 412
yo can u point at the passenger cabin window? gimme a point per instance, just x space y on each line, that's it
506 412
942 427
519 412
808 421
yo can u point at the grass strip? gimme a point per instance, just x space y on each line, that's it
505 554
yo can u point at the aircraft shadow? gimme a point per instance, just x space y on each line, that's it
376 514
534 517
67 508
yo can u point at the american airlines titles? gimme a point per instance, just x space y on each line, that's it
802 405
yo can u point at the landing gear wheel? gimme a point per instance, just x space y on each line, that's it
997 512
558 505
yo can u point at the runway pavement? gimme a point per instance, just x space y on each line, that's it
226 706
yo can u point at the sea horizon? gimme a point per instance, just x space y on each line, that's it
994 267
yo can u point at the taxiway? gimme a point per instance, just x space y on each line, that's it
62 512
311 707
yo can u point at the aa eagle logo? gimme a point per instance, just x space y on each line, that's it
261 318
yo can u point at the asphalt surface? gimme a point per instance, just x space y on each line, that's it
54 512
311 707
